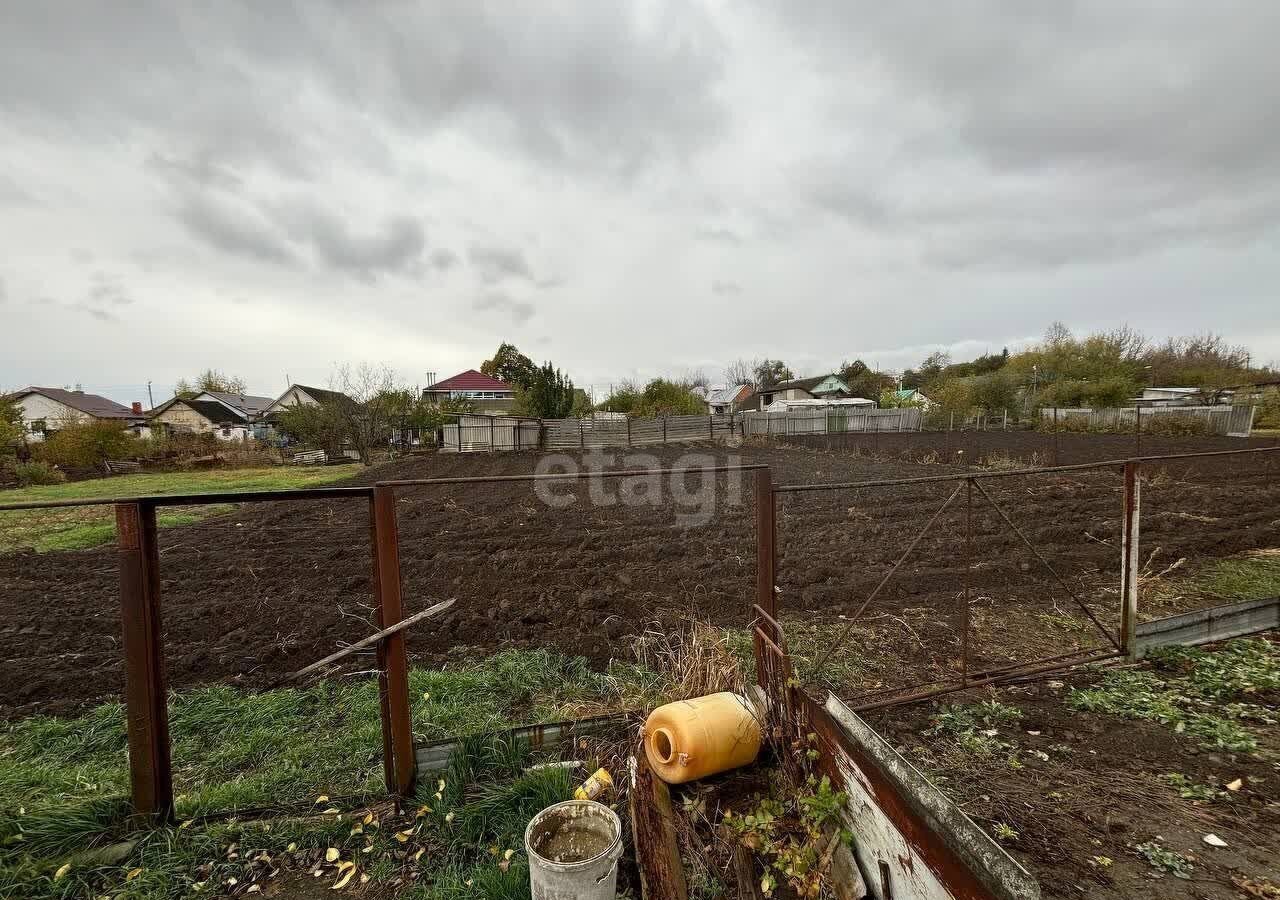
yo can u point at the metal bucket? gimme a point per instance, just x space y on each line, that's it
574 848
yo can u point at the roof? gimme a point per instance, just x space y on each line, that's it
215 411
89 404
1174 390
803 384
320 395
908 393
245 403
470 380
724 395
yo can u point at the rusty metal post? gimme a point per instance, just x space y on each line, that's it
766 543
711 428
1057 461
664 429
1129 558
628 429
147 715
1137 430
396 667
968 579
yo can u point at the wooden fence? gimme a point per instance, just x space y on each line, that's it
834 420
1232 421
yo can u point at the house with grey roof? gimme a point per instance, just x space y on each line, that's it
44 410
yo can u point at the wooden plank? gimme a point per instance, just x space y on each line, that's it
365 642
387 555
744 872
653 831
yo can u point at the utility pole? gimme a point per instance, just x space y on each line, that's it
150 400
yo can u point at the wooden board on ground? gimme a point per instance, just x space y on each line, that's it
654 836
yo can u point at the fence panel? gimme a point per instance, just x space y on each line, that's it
833 420
1232 421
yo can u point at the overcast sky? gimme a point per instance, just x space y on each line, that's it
627 190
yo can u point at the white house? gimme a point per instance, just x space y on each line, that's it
44 410
1169 396
724 400
301 395
820 387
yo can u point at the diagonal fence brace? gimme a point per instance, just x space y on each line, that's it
844 634
1106 632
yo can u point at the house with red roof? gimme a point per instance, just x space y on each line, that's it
489 395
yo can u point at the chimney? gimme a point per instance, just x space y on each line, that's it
137 408
431 379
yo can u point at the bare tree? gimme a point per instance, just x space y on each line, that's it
369 406
741 371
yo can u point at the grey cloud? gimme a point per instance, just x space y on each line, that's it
497 263
11 194
718 234
519 311
1044 134
234 228
4 295
202 171
443 259
725 288
96 312
592 85
398 243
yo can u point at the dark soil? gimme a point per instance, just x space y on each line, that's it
271 587
1081 810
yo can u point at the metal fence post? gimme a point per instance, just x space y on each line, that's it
1057 460
1129 558
968 581
398 745
711 428
664 429
1137 430
582 438
766 543
146 710
628 429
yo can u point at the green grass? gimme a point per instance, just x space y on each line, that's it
77 528
1251 578
1205 694
63 782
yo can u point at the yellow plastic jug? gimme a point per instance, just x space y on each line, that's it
691 739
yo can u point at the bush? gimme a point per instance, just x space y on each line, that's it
89 445
29 473
1175 425
1268 414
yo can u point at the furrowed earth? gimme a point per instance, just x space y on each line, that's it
268 588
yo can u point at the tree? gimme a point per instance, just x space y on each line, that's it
741 371
548 395
361 416
510 365
662 397
210 380
862 381
770 372
890 399
622 399
12 433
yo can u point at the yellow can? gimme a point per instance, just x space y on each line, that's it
691 739
594 786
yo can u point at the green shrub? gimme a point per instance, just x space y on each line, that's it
88 445
1268 414
37 472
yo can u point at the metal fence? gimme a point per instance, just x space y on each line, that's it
472 434
1232 421
834 420
967 488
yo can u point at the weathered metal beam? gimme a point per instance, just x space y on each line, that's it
146 710
435 757
766 543
1129 562
1203 626
390 612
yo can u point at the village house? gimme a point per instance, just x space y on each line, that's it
488 395
724 401
45 410
819 387
179 415
912 397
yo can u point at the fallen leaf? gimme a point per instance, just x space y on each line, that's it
417 856
323 798
344 865
332 811
342 882
66 867
185 824
448 817
440 785
133 873
364 877
422 810
1235 785
368 818
1214 841
253 889
293 845
357 828
402 836
508 854
331 854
